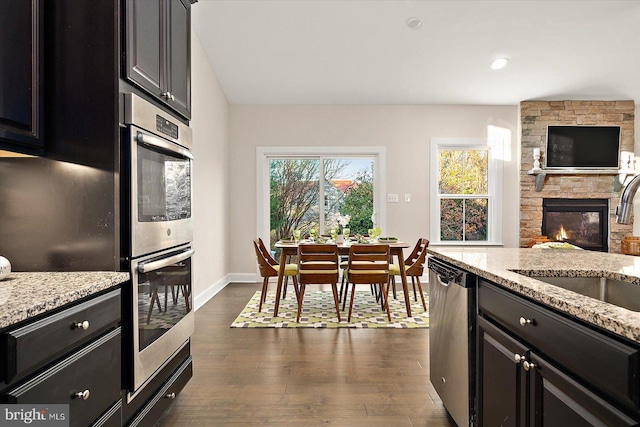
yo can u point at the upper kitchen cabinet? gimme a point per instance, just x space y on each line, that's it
21 76
158 50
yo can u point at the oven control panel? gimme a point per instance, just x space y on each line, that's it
166 127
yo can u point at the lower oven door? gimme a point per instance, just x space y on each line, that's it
162 309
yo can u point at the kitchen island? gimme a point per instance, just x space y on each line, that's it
541 354
499 265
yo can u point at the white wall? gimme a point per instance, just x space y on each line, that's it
210 124
404 130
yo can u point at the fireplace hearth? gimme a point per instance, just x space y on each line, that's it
581 222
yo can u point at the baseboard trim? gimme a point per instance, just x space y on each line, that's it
202 298
244 278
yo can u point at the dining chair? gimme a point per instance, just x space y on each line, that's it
276 265
414 268
369 264
269 267
317 265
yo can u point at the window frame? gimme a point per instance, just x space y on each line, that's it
494 188
265 153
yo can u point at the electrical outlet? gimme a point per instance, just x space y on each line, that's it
392 198
407 198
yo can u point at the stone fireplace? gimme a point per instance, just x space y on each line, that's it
535 116
581 222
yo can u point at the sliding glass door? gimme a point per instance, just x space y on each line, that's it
310 192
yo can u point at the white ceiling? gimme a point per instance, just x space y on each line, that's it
362 52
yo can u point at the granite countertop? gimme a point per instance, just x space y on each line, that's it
494 264
24 295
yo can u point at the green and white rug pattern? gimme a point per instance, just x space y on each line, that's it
319 311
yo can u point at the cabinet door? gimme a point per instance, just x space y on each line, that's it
145 57
501 381
558 400
21 79
179 56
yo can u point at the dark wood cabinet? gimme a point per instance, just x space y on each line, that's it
158 54
73 357
502 385
556 399
21 76
537 368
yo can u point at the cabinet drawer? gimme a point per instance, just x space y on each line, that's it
604 362
95 368
36 344
153 410
112 417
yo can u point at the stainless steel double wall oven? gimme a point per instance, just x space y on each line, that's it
159 190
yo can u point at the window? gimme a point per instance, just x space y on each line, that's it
466 205
305 187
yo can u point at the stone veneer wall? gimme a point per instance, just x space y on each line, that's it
535 116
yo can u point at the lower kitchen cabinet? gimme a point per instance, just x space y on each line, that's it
502 383
531 367
72 356
87 381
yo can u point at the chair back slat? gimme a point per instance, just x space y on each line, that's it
368 264
417 258
317 264
262 256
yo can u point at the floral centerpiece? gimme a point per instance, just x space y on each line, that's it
336 219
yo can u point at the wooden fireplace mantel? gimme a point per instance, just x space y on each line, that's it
619 178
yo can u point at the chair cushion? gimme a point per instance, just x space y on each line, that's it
394 269
289 269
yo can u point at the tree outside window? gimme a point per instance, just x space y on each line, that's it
463 194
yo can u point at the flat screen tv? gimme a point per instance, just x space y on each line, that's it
583 147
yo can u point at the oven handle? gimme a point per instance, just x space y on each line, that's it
161 263
157 142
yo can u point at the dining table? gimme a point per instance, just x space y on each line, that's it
290 248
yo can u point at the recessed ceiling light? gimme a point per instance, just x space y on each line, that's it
414 23
499 63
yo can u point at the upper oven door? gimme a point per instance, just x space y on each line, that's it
161 193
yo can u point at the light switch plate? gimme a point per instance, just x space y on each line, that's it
392 198
407 198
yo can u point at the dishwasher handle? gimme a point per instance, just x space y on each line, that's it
446 274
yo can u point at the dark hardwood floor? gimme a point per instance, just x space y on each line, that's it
303 377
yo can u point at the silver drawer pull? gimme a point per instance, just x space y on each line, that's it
528 365
84 395
518 358
525 322
82 325
170 396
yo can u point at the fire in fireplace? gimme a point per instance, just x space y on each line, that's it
582 222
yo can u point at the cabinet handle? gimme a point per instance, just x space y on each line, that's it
166 95
528 365
518 358
82 325
525 322
84 395
173 98
170 396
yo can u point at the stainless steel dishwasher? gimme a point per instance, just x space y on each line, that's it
452 302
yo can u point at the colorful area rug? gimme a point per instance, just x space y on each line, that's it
319 311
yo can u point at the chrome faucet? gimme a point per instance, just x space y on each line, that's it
624 209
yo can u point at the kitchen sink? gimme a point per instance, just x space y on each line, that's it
617 292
